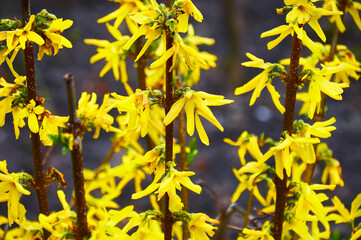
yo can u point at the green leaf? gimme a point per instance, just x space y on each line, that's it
335 235
192 151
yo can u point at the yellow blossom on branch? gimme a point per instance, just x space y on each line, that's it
54 38
195 104
344 215
246 142
300 145
258 83
113 54
10 190
31 111
20 36
199 228
94 116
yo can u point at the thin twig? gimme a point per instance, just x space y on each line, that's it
168 134
82 230
40 186
290 103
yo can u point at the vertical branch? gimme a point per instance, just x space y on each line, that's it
40 185
77 163
290 101
168 133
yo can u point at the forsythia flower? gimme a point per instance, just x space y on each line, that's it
252 234
195 104
31 111
260 81
59 224
50 125
304 11
107 228
54 39
126 7
320 83
20 36
113 54
246 142
169 184
199 228
140 113
10 190
189 9
249 182
300 145
94 116
344 215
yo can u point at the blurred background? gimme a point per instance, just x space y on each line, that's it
236 25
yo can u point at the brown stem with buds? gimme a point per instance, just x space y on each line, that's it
290 104
82 230
168 222
40 185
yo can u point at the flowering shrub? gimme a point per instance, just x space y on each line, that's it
169 63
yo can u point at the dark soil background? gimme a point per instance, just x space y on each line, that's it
236 26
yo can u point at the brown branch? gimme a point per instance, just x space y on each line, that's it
40 187
290 103
168 133
82 230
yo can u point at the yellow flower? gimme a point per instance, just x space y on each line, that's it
246 142
113 54
59 224
284 31
31 111
263 234
250 181
199 228
195 104
20 36
189 9
173 181
320 83
126 7
300 145
107 228
10 190
94 116
50 126
304 11
54 38
139 112
260 81
345 216
352 7
331 5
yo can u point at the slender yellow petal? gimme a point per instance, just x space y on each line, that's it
189 109
160 61
174 111
201 132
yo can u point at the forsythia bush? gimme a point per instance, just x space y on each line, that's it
168 64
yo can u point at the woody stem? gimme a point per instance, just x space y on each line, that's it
40 185
168 134
290 104
82 230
